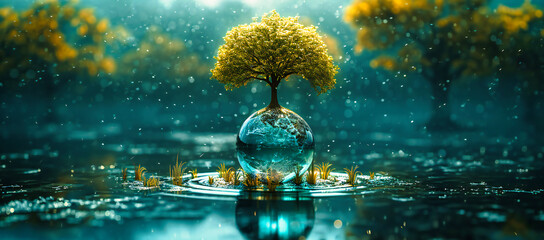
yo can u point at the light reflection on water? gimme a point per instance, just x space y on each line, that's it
67 188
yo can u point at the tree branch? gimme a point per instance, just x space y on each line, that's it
257 78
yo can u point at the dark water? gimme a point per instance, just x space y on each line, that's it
446 186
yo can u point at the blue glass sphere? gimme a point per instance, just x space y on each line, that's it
275 142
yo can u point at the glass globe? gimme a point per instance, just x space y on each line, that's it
275 142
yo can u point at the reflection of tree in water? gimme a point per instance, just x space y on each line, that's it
444 41
275 218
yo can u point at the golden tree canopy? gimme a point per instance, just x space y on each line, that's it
434 37
271 50
59 35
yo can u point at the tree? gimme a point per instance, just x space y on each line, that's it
53 43
162 59
272 50
522 54
443 41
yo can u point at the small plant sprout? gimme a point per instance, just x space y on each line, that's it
236 177
273 180
298 177
371 175
176 172
124 172
210 180
194 173
325 169
311 177
271 184
228 175
352 175
251 181
138 172
223 171
151 182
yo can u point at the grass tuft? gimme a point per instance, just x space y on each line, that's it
211 180
138 172
194 173
251 181
236 176
224 172
352 175
273 179
325 169
151 182
311 177
124 172
298 177
176 172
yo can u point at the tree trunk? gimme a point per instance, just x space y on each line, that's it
529 115
50 92
440 105
274 97
441 111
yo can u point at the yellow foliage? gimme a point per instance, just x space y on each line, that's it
151 182
38 33
466 34
87 15
352 175
194 173
82 30
272 182
516 19
271 50
177 171
211 180
65 52
298 176
384 62
324 170
124 174
5 11
102 26
251 181
107 65
138 172
311 177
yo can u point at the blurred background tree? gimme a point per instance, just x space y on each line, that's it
160 59
52 44
444 41
522 53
